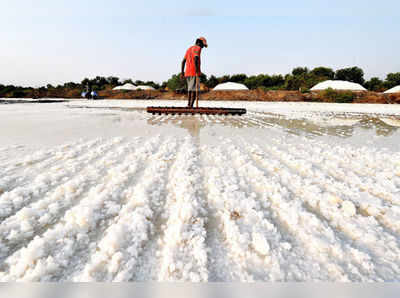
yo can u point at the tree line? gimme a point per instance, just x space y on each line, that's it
301 78
98 83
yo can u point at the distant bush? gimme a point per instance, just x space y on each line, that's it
17 94
392 80
351 74
338 96
175 82
375 84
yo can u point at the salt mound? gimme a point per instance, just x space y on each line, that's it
338 85
127 86
143 87
231 86
393 90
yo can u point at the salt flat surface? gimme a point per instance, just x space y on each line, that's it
102 191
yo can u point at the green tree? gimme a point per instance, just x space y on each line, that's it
126 81
392 80
299 71
212 82
238 78
224 79
351 74
114 81
374 84
175 82
253 82
324 72
277 81
138 82
152 84
203 78
294 82
70 85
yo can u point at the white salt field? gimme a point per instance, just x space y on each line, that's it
103 191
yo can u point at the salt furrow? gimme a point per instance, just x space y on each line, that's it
43 182
183 252
148 266
236 243
261 123
348 183
253 237
385 209
383 178
43 159
33 158
220 266
357 227
376 167
66 247
118 253
309 193
384 159
11 177
316 236
380 182
30 221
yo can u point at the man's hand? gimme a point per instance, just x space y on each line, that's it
182 76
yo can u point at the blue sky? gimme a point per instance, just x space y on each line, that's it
53 42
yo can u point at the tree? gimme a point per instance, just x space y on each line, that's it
277 81
299 71
152 84
224 79
114 81
203 78
238 78
351 74
175 82
212 82
70 85
374 84
324 72
294 82
126 81
139 82
85 83
253 82
392 80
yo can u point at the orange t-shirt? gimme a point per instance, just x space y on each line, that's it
192 52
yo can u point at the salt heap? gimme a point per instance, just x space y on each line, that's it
393 90
338 85
127 86
231 86
144 87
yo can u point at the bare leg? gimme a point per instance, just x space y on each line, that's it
189 98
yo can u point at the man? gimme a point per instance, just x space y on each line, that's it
192 73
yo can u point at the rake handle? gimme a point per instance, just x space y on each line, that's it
197 92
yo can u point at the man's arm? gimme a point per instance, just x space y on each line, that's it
197 63
183 67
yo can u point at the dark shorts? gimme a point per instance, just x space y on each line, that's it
191 82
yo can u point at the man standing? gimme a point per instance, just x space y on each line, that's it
192 73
